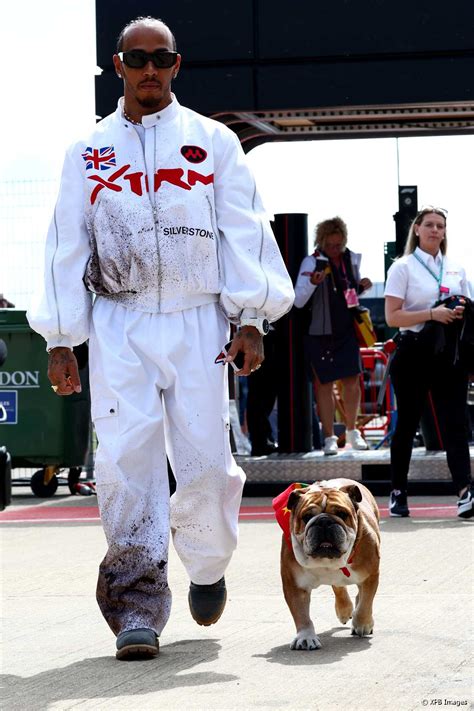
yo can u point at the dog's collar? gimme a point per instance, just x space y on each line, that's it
282 515
345 570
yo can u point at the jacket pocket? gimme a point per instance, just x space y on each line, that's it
226 441
105 418
105 407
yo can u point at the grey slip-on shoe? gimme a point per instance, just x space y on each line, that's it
137 644
207 602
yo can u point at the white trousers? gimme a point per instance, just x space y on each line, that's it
156 391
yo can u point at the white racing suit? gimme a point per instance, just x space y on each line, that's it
173 240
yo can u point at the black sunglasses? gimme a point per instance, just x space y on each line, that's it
138 58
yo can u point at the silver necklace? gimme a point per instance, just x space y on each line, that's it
126 116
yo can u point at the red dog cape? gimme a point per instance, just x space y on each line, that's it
282 514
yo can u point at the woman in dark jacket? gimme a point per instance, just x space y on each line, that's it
329 280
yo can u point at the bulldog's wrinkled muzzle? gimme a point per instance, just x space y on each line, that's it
324 537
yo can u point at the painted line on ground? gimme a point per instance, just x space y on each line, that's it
44 513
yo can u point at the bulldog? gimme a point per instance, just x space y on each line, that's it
331 537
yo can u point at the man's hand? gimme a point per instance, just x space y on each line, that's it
63 372
250 342
365 284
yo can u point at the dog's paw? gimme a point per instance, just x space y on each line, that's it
306 640
344 606
362 630
344 612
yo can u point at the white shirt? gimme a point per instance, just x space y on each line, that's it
409 280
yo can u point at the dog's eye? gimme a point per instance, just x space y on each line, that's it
342 514
307 517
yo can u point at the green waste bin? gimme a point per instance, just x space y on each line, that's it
37 427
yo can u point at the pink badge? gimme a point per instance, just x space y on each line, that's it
351 298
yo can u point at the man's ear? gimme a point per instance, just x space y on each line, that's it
117 65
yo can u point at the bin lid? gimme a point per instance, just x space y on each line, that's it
12 317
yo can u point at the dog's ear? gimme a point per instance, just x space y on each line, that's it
353 492
293 498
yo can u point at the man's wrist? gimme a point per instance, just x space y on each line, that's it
54 348
58 340
261 324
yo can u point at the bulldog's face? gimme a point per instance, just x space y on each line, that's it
323 525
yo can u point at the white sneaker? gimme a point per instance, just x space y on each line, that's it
330 445
355 439
466 504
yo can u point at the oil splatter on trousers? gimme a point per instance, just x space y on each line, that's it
156 391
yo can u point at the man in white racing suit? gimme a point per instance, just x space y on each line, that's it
158 217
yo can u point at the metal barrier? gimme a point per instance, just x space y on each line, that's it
376 403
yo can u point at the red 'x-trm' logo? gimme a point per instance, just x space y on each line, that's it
138 182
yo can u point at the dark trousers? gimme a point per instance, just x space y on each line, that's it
415 372
262 391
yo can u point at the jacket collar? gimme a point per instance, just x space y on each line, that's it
156 119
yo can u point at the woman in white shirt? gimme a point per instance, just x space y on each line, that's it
415 282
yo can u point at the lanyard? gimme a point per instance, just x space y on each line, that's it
438 278
343 269
342 274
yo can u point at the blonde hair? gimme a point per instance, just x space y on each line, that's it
324 229
413 241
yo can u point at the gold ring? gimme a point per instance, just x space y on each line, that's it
55 388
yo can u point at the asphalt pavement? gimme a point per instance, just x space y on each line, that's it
58 653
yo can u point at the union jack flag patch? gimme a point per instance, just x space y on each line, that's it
99 158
